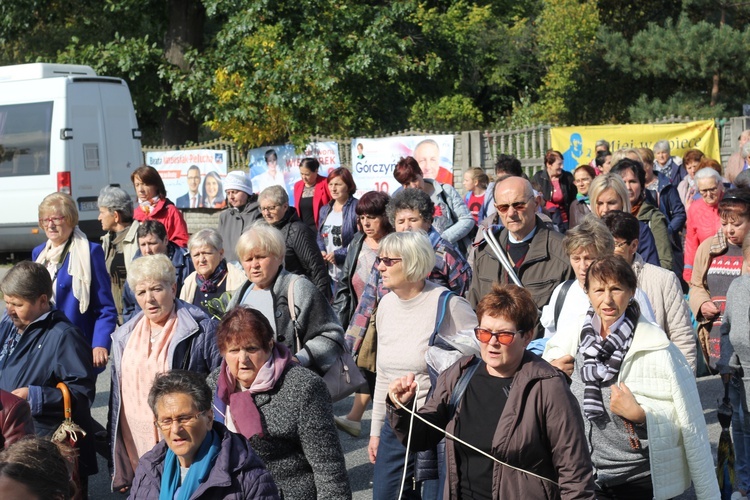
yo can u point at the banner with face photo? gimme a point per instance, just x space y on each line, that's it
577 143
193 177
373 160
279 165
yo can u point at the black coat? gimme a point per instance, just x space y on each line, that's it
566 184
302 253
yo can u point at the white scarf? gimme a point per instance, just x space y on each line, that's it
79 266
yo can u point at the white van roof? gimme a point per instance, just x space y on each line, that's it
36 71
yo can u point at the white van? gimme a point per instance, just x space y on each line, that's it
62 128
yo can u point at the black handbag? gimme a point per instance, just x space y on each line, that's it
343 377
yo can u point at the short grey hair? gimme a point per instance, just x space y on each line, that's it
192 384
263 237
601 142
206 237
416 251
410 199
28 281
590 233
708 173
156 267
118 200
745 150
623 153
276 194
662 146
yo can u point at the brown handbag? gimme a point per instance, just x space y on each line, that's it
366 356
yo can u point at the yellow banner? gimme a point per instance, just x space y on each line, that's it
577 143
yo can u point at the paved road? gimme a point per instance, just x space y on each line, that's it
360 469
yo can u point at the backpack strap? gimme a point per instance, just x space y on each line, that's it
442 308
561 299
452 214
461 385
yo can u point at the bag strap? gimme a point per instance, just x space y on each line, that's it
452 214
292 310
442 308
461 385
561 299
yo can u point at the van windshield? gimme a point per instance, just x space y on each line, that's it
25 131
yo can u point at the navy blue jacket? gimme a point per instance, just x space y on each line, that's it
647 245
348 228
183 267
236 473
671 206
100 319
53 350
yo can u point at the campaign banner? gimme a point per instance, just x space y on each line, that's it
193 177
373 160
279 165
577 143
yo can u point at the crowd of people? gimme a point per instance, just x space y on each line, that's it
574 310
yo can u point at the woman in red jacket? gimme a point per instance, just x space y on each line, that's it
310 193
154 204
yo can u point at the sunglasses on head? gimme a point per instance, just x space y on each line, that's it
517 206
504 337
387 261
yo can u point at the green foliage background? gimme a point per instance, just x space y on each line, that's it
261 71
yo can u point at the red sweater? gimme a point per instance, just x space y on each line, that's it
702 223
168 214
320 197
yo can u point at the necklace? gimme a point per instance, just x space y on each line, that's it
156 335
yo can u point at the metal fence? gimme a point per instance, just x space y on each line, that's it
475 148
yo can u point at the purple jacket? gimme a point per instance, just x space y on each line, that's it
348 228
237 474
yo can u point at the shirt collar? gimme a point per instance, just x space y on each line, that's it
525 239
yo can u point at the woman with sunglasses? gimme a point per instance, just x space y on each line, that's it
404 261
643 418
545 439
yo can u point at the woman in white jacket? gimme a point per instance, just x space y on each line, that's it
640 403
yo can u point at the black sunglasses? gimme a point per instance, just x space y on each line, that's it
386 260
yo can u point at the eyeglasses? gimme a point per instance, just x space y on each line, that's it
712 190
517 206
271 208
386 260
182 421
620 244
53 220
504 337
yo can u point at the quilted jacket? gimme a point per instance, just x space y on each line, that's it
663 384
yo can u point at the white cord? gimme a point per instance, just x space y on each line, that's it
448 435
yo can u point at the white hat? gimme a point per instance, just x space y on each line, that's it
237 180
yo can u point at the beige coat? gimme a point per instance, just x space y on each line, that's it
235 279
670 308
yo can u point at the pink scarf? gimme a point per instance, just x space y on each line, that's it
244 412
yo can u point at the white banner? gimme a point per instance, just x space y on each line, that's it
193 177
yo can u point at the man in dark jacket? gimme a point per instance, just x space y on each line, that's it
536 252
302 253
242 212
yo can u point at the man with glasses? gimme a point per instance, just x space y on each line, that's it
534 250
302 253
193 198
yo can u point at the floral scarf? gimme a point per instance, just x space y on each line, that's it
211 284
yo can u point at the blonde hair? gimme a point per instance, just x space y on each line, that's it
479 175
415 250
263 237
609 181
62 203
155 267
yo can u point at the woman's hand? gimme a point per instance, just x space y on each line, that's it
372 448
21 392
101 356
565 364
709 310
403 389
623 403
329 257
